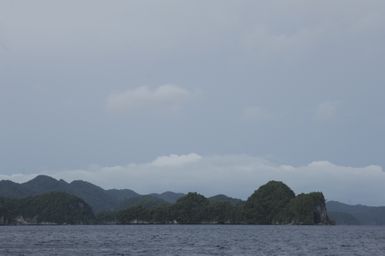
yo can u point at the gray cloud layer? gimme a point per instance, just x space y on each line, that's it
144 98
293 81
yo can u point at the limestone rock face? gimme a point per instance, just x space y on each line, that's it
308 209
321 215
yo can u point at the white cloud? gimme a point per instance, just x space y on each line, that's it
143 97
326 111
176 160
255 113
235 175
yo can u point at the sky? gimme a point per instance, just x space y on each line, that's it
209 96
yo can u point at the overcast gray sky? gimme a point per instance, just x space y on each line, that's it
89 87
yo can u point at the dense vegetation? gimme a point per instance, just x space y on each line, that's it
268 203
273 203
342 218
306 209
190 209
54 207
99 199
356 214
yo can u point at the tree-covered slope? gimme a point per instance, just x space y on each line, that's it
146 201
268 202
99 199
95 196
356 214
168 196
10 189
272 203
54 207
43 184
226 199
306 209
343 218
121 194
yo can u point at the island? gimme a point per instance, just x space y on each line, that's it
45 200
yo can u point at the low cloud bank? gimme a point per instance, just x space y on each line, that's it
234 175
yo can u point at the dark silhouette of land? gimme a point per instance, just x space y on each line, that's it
45 200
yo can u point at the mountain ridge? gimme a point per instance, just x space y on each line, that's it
106 200
98 198
359 214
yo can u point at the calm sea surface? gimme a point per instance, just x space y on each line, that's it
192 240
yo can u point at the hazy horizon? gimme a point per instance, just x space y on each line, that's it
213 97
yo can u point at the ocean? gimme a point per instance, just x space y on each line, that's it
188 240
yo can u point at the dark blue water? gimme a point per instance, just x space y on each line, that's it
192 240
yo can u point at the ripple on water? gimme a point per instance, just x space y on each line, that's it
192 240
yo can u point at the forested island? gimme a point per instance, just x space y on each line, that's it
273 203
45 200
